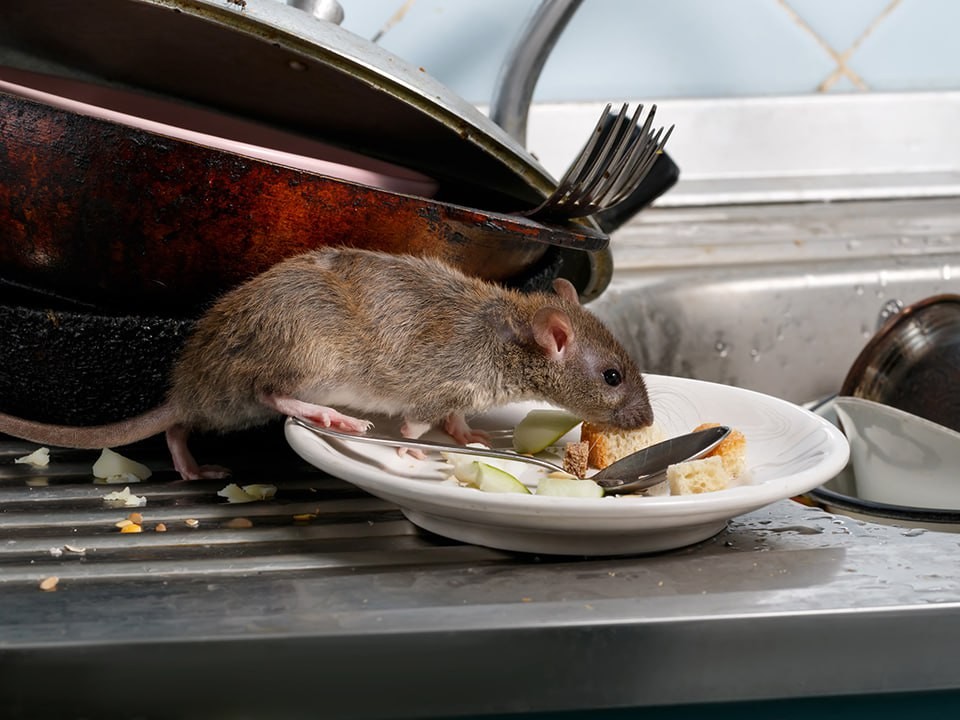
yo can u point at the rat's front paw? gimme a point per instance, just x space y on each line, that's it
455 425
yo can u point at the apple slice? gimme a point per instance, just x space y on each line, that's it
569 487
493 479
542 428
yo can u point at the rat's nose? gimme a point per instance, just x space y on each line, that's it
637 415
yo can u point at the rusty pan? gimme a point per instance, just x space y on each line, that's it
125 218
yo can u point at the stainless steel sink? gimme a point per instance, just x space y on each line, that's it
775 298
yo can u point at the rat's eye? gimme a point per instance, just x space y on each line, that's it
612 377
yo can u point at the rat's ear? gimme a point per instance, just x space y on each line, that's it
552 331
565 289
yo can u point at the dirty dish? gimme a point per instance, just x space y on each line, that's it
789 452
899 458
913 362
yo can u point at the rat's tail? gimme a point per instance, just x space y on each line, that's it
123 432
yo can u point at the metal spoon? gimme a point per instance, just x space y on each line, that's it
637 471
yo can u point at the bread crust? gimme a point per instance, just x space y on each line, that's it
732 450
576 458
609 444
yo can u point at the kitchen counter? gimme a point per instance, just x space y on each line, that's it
353 612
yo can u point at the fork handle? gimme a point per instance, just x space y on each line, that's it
661 177
426 445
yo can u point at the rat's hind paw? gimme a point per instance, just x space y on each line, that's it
319 414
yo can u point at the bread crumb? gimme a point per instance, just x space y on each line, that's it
160 527
49 584
239 523
576 458
706 474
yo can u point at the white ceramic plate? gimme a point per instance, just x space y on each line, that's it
789 452
215 130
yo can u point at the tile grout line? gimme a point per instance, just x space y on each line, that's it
848 53
842 68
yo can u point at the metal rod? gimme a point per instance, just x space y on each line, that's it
521 69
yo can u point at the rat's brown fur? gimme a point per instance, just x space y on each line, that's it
379 334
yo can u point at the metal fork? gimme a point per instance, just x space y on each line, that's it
613 162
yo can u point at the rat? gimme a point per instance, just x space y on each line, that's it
372 332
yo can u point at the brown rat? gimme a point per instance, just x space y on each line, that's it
375 333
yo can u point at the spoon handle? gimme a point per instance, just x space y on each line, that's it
426 445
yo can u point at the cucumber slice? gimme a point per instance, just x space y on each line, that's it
542 428
493 479
569 487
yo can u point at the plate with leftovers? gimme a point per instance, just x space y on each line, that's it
775 451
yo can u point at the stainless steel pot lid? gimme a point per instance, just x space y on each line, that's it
267 61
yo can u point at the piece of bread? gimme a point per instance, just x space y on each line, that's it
576 458
732 450
608 444
698 476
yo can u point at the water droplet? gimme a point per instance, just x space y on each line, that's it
755 354
722 349
946 272
853 244
913 532
858 289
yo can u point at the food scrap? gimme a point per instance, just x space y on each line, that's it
599 447
49 584
238 523
38 458
124 498
112 467
133 523
248 493
717 470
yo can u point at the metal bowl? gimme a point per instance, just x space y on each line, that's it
912 363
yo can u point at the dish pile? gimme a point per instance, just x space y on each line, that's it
898 408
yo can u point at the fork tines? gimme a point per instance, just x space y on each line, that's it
614 161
